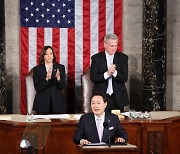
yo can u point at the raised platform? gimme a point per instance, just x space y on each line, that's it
156 136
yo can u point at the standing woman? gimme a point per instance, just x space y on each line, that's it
49 82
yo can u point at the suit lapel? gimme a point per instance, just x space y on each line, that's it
93 127
103 61
115 60
106 131
54 70
43 70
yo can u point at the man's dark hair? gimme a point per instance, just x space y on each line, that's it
99 93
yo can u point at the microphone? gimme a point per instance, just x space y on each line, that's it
106 126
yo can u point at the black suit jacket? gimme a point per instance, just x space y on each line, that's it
48 91
87 129
99 67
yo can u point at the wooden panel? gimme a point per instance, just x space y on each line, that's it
155 142
4 138
62 139
134 133
174 137
155 138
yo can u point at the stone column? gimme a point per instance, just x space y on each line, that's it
2 59
154 54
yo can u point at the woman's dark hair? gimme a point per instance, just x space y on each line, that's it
43 52
99 93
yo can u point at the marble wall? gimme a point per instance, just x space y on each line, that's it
132 46
154 54
12 55
2 59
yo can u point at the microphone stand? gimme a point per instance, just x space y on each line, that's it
109 145
31 149
106 125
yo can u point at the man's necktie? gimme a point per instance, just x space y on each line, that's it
99 128
110 87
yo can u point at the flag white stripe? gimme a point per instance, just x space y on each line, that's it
94 28
47 36
64 47
78 41
109 16
32 47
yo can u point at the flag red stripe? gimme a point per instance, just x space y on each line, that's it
40 42
86 34
71 70
118 21
24 68
71 53
102 23
56 42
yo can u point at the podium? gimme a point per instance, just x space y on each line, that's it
105 149
34 137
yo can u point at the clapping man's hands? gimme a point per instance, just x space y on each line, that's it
111 69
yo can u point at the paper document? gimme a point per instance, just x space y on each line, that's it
52 116
5 117
95 144
77 116
39 117
125 114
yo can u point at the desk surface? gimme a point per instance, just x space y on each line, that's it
155 115
129 148
106 147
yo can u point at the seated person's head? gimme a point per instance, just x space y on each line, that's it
98 103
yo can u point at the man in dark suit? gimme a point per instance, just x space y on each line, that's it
109 73
99 126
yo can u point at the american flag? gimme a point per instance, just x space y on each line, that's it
74 28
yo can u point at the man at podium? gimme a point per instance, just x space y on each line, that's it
99 126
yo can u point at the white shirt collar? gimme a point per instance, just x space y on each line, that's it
107 55
102 117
